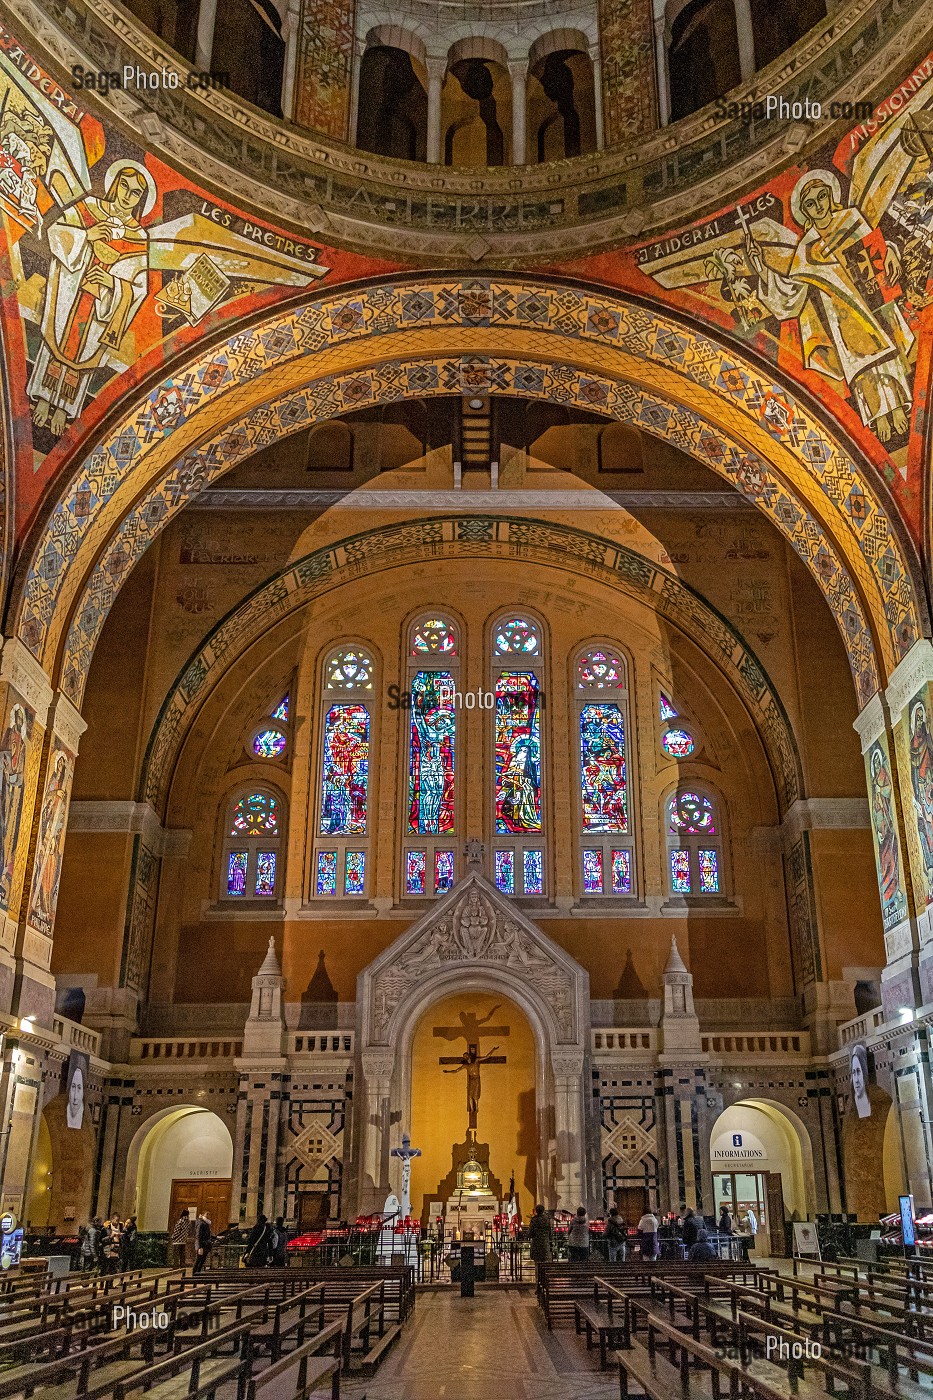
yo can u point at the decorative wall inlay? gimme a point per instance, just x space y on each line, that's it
484 536
629 1141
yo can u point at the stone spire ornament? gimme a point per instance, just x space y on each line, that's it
679 1025
265 1025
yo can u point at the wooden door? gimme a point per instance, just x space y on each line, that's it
777 1242
631 1203
212 1197
313 1210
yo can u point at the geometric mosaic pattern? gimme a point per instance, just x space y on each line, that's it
390 546
628 1141
615 343
315 1145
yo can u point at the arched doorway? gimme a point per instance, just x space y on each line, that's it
868 1142
62 1171
506 1110
181 1158
761 1159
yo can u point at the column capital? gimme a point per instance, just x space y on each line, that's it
436 64
518 68
909 674
66 721
20 669
870 723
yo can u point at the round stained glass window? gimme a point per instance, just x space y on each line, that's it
600 670
349 670
270 743
677 743
516 636
433 635
692 814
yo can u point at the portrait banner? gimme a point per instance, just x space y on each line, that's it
51 840
76 1089
884 833
860 1078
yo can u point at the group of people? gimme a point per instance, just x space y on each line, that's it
690 1226
266 1244
190 1241
108 1245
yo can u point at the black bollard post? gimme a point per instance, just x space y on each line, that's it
467 1270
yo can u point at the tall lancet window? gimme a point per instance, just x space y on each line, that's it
694 843
518 818
606 865
343 826
432 668
251 861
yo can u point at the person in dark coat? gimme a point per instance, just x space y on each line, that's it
279 1244
128 1244
615 1236
689 1229
258 1244
725 1220
541 1236
701 1252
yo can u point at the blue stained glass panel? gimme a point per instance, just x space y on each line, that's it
354 874
505 871
677 743
518 752
667 709
327 872
265 873
593 872
443 871
345 781
534 872
431 754
236 872
680 872
622 872
416 865
709 872
269 744
602 768
281 709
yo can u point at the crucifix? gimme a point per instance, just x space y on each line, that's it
471 1060
406 1152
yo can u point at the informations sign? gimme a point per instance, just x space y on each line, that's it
908 1225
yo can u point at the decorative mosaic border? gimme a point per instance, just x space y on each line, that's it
482 536
123 467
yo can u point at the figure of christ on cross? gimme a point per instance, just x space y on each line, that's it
471 1028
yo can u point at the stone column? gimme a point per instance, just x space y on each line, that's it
377 1067
291 29
25 697
570 1176
746 32
437 69
910 706
34 990
518 71
21 1074
662 40
596 59
888 800
204 43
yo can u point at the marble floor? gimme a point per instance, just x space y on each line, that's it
491 1347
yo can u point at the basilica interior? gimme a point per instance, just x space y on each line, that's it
466 677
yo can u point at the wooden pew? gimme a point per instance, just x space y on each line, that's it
295 1376
197 1372
606 1319
560 1284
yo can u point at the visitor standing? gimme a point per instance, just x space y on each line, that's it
258 1244
725 1220
578 1237
89 1253
176 1245
128 1244
648 1227
541 1236
110 1246
279 1243
689 1229
615 1237
203 1238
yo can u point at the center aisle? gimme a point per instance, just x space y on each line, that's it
495 1344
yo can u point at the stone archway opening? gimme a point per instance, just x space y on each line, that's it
183 1157
761 1160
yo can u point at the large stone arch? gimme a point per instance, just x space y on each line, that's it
476 939
551 544
377 343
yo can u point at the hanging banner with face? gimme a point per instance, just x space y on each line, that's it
858 1073
78 1066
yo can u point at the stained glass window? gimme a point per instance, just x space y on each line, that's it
434 635
691 814
534 871
518 752
281 709
602 768
416 864
236 872
516 636
255 815
443 871
593 872
265 872
269 744
709 872
327 872
677 743
505 871
622 872
349 670
667 709
354 873
680 872
345 780
600 670
431 754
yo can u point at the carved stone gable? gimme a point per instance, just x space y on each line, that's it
477 926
